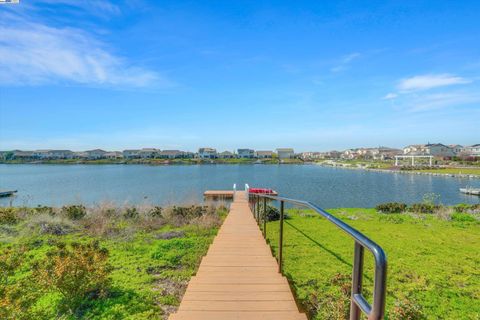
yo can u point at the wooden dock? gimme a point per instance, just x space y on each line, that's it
219 194
7 193
238 278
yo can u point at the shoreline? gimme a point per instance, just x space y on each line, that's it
412 172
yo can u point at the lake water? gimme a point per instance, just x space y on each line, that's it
134 184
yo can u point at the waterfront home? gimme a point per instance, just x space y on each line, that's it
207 153
148 153
264 154
334 154
350 154
80 155
472 151
456 148
23 155
113 155
131 154
174 154
53 154
246 153
226 155
96 154
383 153
285 153
312 155
430 149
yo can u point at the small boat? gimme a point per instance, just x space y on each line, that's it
7 193
468 190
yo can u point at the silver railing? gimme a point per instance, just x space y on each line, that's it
358 302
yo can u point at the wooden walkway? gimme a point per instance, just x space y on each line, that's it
238 278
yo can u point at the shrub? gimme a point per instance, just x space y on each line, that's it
423 208
77 272
10 260
273 214
45 209
155 212
391 207
131 213
74 212
8 215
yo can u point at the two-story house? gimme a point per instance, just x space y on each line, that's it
264 154
285 153
207 153
246 153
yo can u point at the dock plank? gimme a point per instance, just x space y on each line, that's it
238 278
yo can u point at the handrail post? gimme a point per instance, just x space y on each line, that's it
264 217
280 244
357 281
257 207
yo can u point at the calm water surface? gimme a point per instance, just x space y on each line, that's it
327 187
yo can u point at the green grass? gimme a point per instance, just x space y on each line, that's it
149 273
433 263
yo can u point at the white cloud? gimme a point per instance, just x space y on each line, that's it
345 61
350 57
34 53
430 81
390 96
437 101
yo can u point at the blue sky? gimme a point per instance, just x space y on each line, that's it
313 75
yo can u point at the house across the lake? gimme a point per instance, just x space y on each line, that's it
264 154
207 153
246 153
285 153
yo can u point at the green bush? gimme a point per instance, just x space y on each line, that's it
74 212
78 272
8 215
45 209
131 213
391 207
423 208
156 212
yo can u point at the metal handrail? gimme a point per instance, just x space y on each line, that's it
358 302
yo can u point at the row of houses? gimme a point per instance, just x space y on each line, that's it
211 153
145 153
383 153
442 150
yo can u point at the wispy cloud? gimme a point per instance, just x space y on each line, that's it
32 53
437 101
390 96
430 81
345 61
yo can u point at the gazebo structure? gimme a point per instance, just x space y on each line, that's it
413 157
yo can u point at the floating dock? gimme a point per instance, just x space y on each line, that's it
473 191
7 193
219 194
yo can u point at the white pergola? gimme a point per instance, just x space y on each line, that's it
413 157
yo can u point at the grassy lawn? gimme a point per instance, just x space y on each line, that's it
475 171
151 260
433 270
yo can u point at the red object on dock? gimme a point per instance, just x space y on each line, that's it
262 190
